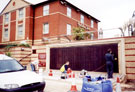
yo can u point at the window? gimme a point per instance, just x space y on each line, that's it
92 23
45 10
6 17
20 30
68 29
6 33
82 19
21 13
92 36
46 28
68 12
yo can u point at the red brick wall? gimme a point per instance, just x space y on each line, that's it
54 7
63 24
53 21
13 15
57 22
29 23
12 31
76 15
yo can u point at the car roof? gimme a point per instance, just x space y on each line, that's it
4 57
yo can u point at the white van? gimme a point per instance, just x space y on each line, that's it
15 78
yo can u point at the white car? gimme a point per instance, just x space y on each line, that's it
15 78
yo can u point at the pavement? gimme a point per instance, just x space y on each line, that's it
56 84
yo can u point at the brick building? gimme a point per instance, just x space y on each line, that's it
50 18
50 21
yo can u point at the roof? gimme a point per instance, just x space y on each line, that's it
35 2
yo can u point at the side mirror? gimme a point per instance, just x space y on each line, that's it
25 67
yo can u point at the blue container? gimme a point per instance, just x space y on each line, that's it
107 86
104 86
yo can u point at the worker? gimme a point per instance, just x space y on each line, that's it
109 63
64 69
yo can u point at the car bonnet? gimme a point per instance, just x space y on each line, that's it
21 78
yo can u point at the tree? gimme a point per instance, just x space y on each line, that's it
129 26
78 33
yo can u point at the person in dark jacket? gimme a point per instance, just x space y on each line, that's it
109 63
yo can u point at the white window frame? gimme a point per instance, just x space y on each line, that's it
6 17
46 28
21 13
82 19
92 23
6 34
69 11
69 29
92 36
20 30
46 10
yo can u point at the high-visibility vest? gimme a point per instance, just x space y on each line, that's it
62 69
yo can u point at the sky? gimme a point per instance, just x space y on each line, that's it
111 13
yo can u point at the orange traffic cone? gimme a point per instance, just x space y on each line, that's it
118 87
73 86
69 71
50 73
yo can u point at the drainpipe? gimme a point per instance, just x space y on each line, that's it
33 25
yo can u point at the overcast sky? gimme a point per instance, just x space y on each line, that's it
111 13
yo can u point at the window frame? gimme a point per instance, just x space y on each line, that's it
21 13
19 31
69 12
82 18
7 18
46 9
92 23
69 32
6 32
46 31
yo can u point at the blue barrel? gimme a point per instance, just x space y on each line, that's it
107 86
104 86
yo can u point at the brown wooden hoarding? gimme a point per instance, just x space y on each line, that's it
90 58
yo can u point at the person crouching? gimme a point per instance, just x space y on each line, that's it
64 69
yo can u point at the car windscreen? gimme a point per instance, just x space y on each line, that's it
10 65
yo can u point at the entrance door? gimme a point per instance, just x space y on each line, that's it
91 58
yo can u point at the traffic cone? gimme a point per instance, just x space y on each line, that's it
73 86
50 73
69 71
118 87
